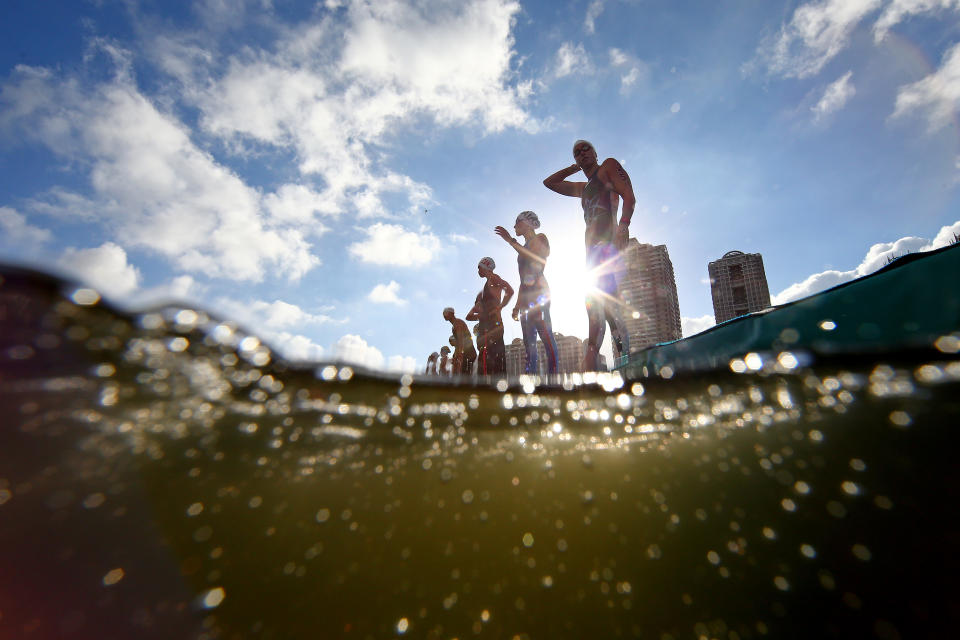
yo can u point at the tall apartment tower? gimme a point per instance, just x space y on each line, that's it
738 285
649 291
570 355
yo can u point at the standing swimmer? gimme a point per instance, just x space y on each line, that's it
444 361
463 351
431 369
533 298
600 196
487 311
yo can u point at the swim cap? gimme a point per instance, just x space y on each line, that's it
530 218
487 263
434 356
444 349
445 309
586 142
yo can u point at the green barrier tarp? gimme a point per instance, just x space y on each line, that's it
907 305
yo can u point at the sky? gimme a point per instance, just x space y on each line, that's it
328 174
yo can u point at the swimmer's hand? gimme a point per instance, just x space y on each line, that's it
503 233
516 313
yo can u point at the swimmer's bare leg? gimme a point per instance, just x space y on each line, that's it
595 333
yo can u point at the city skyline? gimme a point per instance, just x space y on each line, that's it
327 174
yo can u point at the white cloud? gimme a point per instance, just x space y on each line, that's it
403 364
897 10
461 239
938 95
877 257
336 92
571 59
150 184
386 294
593 12
282 315
693 326
297 203
632 69
105 268
279 324
296 346
353 348
389 244
17 231
816 33
834 97
271 317
182 288
618 57
945 236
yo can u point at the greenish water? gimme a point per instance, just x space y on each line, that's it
163 476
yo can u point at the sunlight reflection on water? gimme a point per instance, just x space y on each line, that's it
221 492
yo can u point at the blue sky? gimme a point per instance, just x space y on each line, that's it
329 173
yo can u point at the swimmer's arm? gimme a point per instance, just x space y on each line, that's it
541 246
509 239
620 181
474 313
558 182
507 290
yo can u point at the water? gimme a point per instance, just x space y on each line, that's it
163 476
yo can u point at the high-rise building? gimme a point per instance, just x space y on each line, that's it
649 291
570 355
738 285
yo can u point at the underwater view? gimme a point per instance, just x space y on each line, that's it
164 475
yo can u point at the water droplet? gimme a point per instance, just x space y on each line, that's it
113 577
861 552
85 297
213 597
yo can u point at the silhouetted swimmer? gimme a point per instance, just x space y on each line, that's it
533 297
600 196
432 364
444 361
486 311
463 351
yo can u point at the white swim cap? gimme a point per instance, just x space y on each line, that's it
586 142
445 309
530 218
487 263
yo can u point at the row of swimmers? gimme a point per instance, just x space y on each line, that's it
606 187
532 309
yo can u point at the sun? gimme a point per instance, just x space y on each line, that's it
569 284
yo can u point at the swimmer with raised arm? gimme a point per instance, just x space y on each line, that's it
600 196
533 297
486 311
